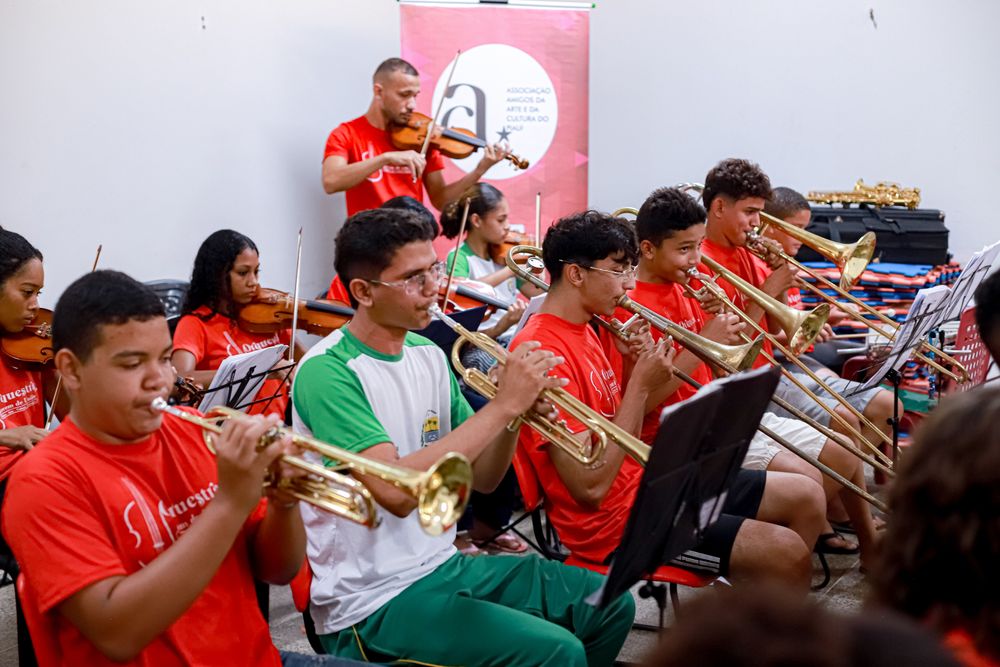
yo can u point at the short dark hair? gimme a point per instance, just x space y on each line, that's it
665 211
988 312
736 179
938 559
94 300
212 264
584 238
785 202
367 242
15 252
391 65
410 204
482 198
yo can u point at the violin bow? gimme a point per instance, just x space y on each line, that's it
295 299
437 112
55 392
454 259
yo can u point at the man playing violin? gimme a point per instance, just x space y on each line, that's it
361 159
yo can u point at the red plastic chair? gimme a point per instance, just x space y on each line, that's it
666 579
40 627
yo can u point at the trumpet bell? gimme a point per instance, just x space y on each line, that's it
444 494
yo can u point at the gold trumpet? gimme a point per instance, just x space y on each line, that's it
602 430
442 491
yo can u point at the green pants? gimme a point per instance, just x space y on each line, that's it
492 610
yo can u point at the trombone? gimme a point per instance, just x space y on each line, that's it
655 319
442 491
557 433
852 260
763 299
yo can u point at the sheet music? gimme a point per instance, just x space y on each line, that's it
532 308
975 271
926 313
234 370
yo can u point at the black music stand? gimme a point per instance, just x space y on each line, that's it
698 450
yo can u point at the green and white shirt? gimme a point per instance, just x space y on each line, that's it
471 265
354 397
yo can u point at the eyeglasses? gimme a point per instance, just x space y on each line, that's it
625 275
415 284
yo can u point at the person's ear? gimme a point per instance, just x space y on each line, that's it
646 249
69 367
361 290
475 220
573 274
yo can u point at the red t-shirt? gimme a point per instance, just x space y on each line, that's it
588 533
21 404
741 262
214 337
358 140
337 291
670 301
113 511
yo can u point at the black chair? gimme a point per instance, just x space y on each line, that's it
172 294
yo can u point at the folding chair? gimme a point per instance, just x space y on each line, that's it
172 294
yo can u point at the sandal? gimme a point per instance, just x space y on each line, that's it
824 546
506 542
848 528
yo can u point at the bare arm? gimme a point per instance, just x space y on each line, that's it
279 546
184 363
338 175
441 193
115 614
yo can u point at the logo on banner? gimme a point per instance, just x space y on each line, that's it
502 94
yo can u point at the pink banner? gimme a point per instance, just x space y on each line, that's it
522 78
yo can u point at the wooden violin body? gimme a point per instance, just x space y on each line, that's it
453 142
498 251
33 344
272 311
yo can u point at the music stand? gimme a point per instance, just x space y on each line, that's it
697 452
238 379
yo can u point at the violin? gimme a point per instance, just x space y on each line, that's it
32 344
271 311
467 293
498 251
453 142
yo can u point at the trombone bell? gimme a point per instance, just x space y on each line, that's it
851 258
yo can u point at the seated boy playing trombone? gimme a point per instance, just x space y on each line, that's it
395 593
770 521
137 544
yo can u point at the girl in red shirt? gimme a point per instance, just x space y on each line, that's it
225 277
22 388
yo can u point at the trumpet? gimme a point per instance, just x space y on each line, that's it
442 491
641 454
557 433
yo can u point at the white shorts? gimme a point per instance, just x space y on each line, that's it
763 449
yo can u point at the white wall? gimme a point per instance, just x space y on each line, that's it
132 125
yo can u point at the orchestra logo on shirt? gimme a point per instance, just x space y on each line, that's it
17 400
163 527
605 384
431 431
502 94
